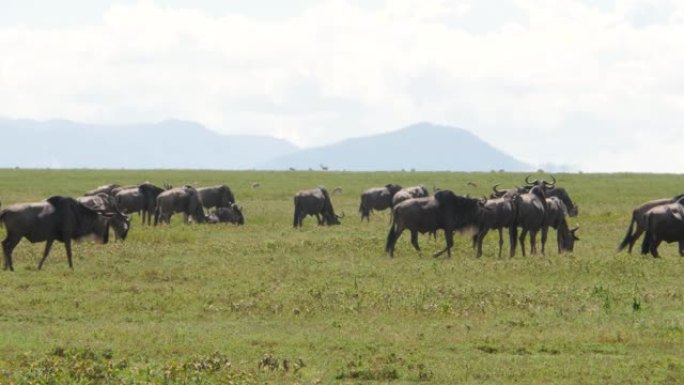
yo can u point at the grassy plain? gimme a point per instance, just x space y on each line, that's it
265 303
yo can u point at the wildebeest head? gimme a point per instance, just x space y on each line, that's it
569 237
392 188
540 182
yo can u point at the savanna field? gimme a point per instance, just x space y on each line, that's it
268 304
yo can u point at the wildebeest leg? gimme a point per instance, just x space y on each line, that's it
533 242
319 219
523 234
681 248
544 237
634 238
654 247
449 235
513 238
48 245
8 245
67 246
480 238
500 240
414 240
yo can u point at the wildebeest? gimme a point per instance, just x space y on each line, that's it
104 203
57 218
230 214
531 207
639 216
409 192
555 217
130 200
445 210
377 198
184 199
314 202
106 189
664 223
500 213
216 196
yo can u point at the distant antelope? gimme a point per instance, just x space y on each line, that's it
472 184
256 185
324 167
337 190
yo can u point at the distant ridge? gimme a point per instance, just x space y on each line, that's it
176 144
166 145
422 146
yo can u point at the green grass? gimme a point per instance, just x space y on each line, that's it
224 304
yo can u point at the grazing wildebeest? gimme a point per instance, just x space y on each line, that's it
555 217
531 207
445 210
184 199
57 218
664 223
106 189
409 192
314 202
500 213
639 216
216 196
230 214
377 198
104 203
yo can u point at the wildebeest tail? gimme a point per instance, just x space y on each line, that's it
628 236
2 217
391 239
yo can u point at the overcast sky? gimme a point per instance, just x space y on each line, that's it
597 84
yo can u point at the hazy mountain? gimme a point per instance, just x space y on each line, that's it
169 144
188 145
422 146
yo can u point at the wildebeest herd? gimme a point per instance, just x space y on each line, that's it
65 219
532 208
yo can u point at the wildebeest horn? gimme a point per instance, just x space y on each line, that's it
494 188
575 229
552 183
340 216
527 180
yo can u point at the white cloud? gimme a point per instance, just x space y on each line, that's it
567 83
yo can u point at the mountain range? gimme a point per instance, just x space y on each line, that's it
175 144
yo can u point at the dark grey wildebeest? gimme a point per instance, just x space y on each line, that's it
104 203
637 226
216 196
230 214
445 210
314 202
409 192
531 207
555 217
499 213
664 223
57 218
184 200
130 200
377 198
